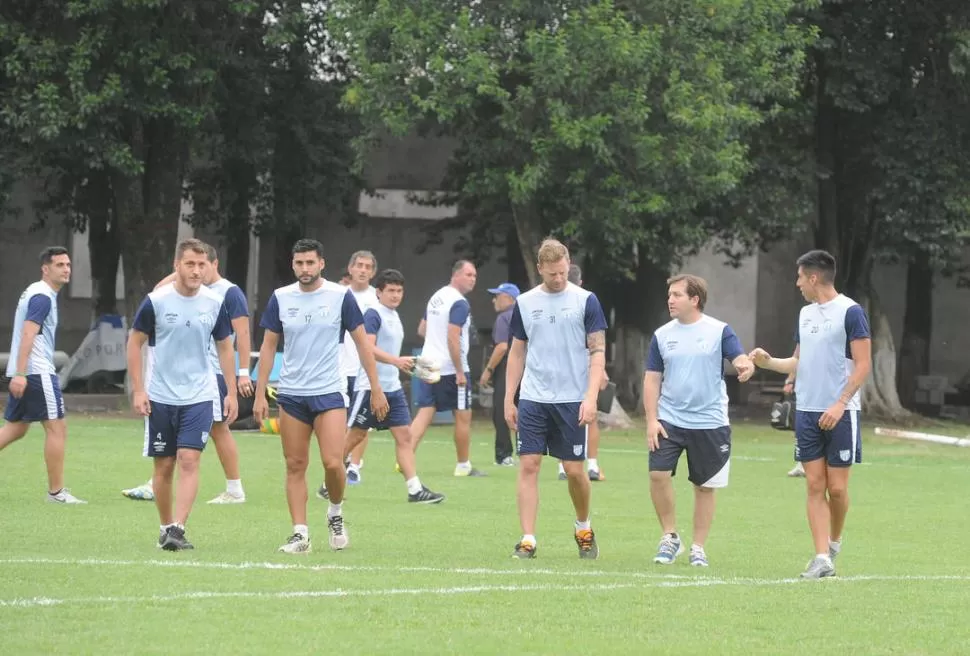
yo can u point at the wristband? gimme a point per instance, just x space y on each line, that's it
243 372
20 374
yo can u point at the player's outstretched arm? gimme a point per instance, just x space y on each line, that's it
762 359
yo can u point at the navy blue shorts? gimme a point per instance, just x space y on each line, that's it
172 427
551 429
708 454
397 415
351 383
841 446
445 394
306 408
42 400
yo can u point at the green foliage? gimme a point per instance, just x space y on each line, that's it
612 123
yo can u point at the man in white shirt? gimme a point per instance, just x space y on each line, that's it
445 328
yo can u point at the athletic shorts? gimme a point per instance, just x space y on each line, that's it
841 446
446 394
551 429
306 408
41 401
360 415
172 427
708 454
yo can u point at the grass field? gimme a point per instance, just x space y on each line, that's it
440 579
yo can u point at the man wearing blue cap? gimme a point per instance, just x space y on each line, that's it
503 298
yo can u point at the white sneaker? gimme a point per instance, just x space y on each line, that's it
140 493
64 496
226 497
297 543
798 471
338 533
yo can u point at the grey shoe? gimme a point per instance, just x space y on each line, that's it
670 547
819 568
835 548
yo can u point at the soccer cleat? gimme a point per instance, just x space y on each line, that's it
295 544
507 461
174 539
596 475
586 541
820 568
353 475
426 496
322 493
474 473
524 550
798 471
697 556
670 547
226 497
64 496
338 533
140 493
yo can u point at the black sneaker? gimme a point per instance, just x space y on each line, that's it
174 539
338 533
426 496
586 541
322 493
524 550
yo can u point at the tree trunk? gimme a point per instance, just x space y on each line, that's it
914 355
880 397
104 248
639 308
518 271
528 229
148 207
237 234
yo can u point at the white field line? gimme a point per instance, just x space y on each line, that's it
198 564
34 602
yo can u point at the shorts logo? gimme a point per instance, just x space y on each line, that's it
844 454
725 448
205 437
577 449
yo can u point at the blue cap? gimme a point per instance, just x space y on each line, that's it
506 288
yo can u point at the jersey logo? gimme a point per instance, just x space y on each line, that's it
291 312
536 315
171 317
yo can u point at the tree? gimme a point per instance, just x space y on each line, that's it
891 134
607 123
127 84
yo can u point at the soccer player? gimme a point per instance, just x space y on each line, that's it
445 331
558 355
226 448
686 403
593 446
35 392
180 321
385 332
833 357
503 298
362 268
312 315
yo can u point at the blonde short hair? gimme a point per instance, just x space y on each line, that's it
552 250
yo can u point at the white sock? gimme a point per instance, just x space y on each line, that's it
335 509
823 556
164 527
529 539
562 470
835 545
302 529
465 465
582 526
593 464
697 547
414 485
235 488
